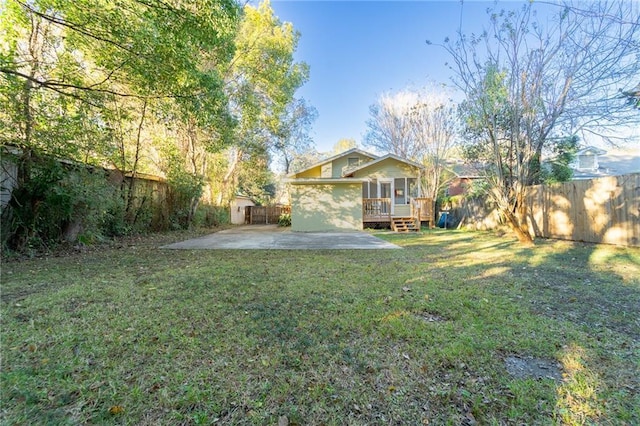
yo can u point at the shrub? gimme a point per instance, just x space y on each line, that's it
210 216
185 190
55 202
284 220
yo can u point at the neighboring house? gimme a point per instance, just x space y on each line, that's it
586 161
237 208
464 175
592 162
355 189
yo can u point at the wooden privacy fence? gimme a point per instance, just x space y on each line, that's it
261 215
603 210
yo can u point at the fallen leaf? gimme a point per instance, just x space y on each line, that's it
116 409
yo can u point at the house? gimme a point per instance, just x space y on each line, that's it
586 165
592 162
237 208
463 176
356 189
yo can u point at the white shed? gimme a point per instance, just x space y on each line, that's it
237 209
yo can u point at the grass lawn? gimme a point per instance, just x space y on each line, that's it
458 328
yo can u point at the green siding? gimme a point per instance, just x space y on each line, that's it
402 210
339 164
387 169
326 207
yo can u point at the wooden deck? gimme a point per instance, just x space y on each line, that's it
378 210
422 210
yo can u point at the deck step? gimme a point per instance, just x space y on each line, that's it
404 224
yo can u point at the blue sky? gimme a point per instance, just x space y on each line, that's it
358 50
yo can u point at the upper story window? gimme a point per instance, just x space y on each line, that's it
353 161
587 162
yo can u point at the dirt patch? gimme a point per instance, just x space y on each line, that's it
532 368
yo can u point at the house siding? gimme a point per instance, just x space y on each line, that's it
315 172
340 164
388 169
402 210
327 207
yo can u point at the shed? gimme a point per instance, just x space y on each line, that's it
237 208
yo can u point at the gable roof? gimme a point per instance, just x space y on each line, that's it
591 150
468 170
330 159
381 159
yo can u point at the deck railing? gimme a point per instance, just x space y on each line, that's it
374 209
422 209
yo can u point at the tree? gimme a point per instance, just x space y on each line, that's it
100 74
261 83
434 125
140 48
526 83
632 96
344 144
292 139
194 91
563 152
389 126
418 125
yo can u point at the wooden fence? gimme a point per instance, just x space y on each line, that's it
262 215
604 210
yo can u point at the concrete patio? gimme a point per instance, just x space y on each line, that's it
273 237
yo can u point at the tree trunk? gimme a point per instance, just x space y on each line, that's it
228 177
519 228
130 195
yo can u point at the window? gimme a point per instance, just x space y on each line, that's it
587 162
404 189
370 189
